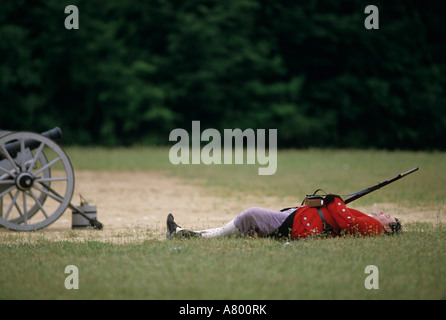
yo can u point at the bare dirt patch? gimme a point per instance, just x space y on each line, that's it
133 205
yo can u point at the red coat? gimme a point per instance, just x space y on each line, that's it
307 221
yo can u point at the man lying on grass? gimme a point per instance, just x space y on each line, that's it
333 218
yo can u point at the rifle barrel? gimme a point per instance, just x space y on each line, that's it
362 193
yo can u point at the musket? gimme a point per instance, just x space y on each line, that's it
359 194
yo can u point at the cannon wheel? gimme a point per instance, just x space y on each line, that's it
41 196
30 198
42 161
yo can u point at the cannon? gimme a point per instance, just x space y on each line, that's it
36 181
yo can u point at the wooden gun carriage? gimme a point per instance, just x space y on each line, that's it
36 180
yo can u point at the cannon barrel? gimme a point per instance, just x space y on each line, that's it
14 147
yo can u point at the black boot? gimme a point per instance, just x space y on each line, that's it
172 230
171 226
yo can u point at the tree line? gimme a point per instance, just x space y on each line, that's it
135 70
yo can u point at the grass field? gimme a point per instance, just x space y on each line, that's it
411 266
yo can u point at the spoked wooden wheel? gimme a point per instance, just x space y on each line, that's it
36 181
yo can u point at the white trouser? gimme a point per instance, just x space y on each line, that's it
224 231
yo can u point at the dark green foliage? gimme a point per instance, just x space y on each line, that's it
135 70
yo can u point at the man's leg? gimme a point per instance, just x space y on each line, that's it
260 220
224 231
175 230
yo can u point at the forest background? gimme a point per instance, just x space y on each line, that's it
135 70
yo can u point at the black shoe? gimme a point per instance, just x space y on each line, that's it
172 230
171 226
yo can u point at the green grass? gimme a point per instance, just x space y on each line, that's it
411 266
